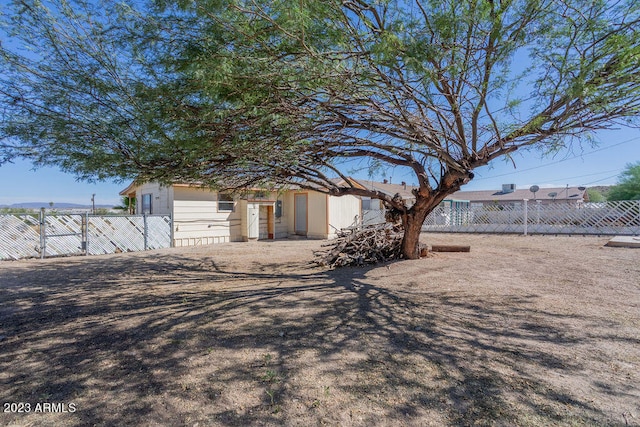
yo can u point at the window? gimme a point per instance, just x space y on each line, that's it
366 203
260 195
147 203
225 202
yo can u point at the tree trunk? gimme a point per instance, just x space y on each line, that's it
427 201
412 222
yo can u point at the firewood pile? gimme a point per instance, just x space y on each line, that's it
368 245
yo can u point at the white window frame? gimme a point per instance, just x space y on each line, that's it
224 204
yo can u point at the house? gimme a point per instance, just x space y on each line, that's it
510 195
203 216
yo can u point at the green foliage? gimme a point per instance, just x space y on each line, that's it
127 204
18 211
270 376
628 187
595 196
243 91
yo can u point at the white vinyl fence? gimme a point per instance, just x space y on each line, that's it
529 217
43 235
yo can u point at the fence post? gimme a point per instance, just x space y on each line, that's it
526 216
43 234
146 230
86 233
171 231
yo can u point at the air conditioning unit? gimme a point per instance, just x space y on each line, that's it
508 188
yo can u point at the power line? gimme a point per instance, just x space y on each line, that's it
590 174
600 180
559 161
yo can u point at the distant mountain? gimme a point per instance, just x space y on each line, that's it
38 205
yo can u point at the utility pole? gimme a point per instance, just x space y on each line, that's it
93 204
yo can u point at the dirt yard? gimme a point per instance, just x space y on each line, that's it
521 331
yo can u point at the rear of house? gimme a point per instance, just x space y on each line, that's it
203 216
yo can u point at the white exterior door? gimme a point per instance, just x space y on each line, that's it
253 221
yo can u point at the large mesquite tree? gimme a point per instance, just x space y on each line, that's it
246 92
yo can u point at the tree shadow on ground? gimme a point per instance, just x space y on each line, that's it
174 340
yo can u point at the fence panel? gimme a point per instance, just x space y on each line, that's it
158 232
373 216
27 236
19 236
610 218
113 234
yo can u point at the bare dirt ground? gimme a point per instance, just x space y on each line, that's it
525 331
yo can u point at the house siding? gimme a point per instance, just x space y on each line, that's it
316 215
196 219
160 198
342 213
288 219
282 223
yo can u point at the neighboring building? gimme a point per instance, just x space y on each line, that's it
510 195
455 208
202 216
405 191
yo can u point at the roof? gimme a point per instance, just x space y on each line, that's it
561 193
133 186
404 190
293 186
130 189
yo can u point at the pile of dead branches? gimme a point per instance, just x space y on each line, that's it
369 245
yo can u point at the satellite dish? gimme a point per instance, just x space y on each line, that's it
553 194
534 188
582 188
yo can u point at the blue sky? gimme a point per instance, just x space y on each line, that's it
581 165
21 183
588 166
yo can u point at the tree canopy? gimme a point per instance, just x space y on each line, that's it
262 92
628 187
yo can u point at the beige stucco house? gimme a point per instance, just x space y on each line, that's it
203 216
